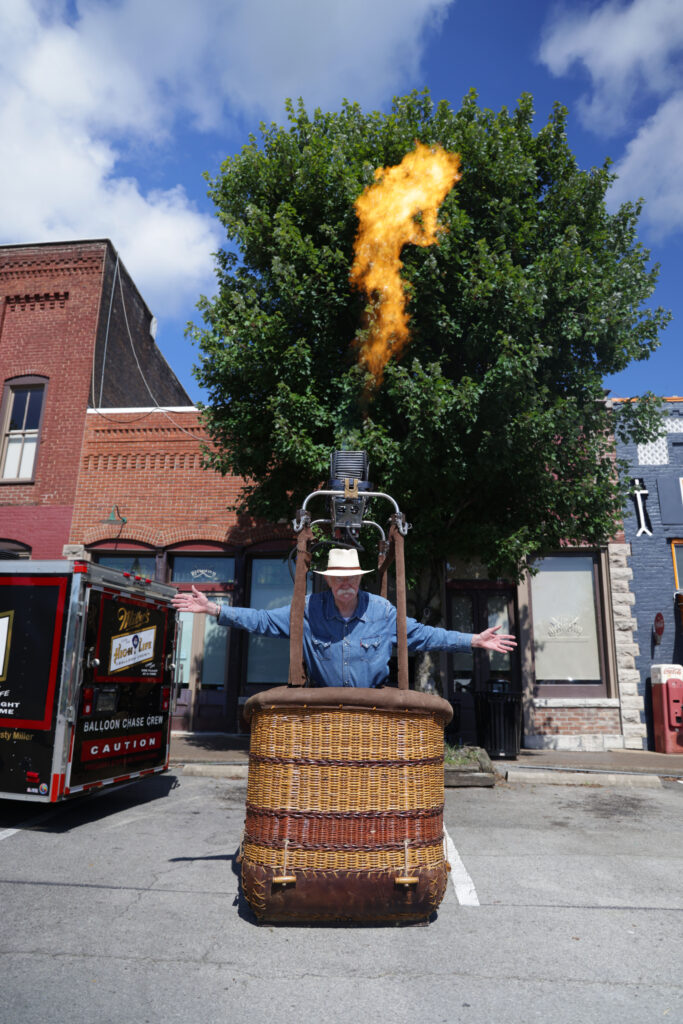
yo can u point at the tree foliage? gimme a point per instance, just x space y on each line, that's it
491 429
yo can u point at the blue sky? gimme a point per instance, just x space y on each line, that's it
112 109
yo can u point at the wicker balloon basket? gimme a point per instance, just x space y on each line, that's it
345 795
344 818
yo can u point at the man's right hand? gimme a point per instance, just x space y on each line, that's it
194 601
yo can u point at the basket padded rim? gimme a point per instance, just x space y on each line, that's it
385 698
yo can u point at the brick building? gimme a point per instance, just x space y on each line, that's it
73 328
101 458
145 504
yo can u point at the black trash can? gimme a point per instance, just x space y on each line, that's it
453 733
499 719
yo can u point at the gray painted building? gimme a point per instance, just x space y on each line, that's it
653 528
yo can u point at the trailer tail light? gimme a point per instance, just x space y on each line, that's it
88 700
33 778
165 698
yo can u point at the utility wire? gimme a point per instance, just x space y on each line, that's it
117 274
144 379
106 335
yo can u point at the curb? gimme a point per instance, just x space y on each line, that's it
223 770
570 777
214 771
454 778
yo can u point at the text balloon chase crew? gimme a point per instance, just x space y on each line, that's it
348 633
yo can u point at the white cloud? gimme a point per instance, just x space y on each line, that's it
628 50
633 53
84 81
652 165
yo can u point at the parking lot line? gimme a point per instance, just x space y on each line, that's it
462 883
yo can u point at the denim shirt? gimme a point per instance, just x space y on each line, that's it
340 653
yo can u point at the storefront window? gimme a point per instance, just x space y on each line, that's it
566 635
202 569
498 615
134 562
271 587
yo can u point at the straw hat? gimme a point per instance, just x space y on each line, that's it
342 562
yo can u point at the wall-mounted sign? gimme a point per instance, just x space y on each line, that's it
640 493
659 627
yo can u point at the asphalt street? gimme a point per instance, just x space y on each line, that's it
564 904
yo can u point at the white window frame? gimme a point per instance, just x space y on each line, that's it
12 388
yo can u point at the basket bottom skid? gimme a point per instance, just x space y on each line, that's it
338 896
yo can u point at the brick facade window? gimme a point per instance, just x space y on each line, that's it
14 549
22 410
137 563
677 554
569 639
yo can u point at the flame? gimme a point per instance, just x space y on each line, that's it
387 212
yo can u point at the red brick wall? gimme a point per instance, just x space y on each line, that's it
149 464
45 530
50 305
574 721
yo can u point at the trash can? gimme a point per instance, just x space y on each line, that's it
499 719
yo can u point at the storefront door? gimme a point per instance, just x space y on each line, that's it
472 608
201 672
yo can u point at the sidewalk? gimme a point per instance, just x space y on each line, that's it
207 750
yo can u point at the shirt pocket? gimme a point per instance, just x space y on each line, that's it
322 649
369 647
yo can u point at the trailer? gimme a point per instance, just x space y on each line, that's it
86 678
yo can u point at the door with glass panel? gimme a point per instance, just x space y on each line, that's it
202 646
472 609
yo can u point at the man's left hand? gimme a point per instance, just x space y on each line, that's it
490 641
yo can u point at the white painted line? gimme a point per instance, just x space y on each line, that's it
8 832
462 883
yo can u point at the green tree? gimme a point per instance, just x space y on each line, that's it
491 428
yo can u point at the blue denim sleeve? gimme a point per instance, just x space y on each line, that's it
433 638
267 622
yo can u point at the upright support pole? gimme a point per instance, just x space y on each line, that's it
396 540
297 669
384 560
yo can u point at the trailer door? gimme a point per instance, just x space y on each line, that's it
33 614
123 709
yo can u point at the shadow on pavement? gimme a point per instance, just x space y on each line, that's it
84 809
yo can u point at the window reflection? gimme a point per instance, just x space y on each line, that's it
271 587
565 621
200 569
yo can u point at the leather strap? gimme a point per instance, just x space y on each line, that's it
384 560
297 669
396 539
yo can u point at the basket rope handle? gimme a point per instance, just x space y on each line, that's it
297 669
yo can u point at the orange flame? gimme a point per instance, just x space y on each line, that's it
387 212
